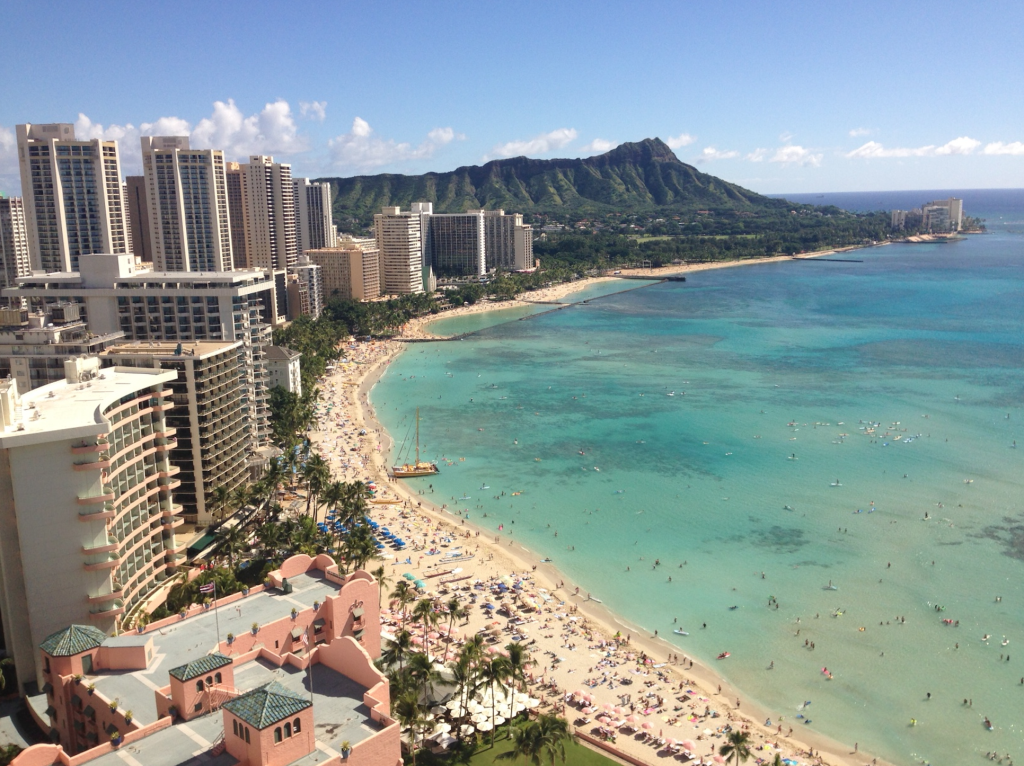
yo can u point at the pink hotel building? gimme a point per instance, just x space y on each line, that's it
295 685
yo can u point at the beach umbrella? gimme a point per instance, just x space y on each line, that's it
499 720
607 706
670 741
479 718
719 759
532 703
437 710
408 575
631 719
647 725
484 726
689 744
577 693
467 729
618 710
585 711
603 718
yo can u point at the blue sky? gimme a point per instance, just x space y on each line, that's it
779 97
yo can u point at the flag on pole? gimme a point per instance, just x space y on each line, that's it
305 639
209 587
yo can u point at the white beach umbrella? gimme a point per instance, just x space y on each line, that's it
499 720
484 726
467 729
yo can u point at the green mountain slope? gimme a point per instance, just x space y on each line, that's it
631 177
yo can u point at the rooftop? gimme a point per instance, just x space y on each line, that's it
75 408
191 640
266 705
171 348
202 666
280 353
73 640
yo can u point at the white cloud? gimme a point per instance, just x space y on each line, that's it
313 110
710 153
873 149
597 146
855 132
997 147
757 155
542 144
796 154
677 142
271 131
785 137
360 149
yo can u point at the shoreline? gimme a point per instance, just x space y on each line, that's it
417 328
503 557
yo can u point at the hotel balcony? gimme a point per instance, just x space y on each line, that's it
110 545
107 495
172 522
105 512
112 611
84 448
113 560
104 597
94 465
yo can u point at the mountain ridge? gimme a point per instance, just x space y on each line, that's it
634 176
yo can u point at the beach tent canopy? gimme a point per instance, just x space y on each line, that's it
409 576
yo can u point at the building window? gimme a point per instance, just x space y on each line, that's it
277 734
247 735
217 678
199 685
287 730
199 705
234 726
297 726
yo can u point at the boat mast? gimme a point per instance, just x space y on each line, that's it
417 436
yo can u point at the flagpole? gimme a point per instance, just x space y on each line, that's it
309 661
216 616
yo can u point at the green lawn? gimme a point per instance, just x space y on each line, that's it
485 755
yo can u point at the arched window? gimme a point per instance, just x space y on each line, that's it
277 734
199 685
234 727
247 735
297 726
287 729
217 678
209 680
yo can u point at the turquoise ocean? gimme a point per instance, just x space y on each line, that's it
760 478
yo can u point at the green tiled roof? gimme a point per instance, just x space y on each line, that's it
74 639
200 667
266 705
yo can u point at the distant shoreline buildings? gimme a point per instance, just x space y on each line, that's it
938 217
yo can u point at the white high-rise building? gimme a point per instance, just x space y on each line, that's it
523 245
112 295
314 222
186 194
87 509
72 193
270 241
309 277
14 257
400 244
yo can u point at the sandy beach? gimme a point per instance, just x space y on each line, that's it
596 650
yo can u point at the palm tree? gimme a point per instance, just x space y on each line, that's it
424 612
409 714
491 673
219 499
736 746
464 678
333 495
270 536
398 649
422 669
404 594
380 575
540 740
456 611
8 753
518 659
240 497
473 649
316 475
6 662
232 541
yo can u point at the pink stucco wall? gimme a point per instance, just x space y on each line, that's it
261 749
123 657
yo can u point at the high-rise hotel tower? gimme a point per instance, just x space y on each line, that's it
72 193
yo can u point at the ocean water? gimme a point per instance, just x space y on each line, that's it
777 370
